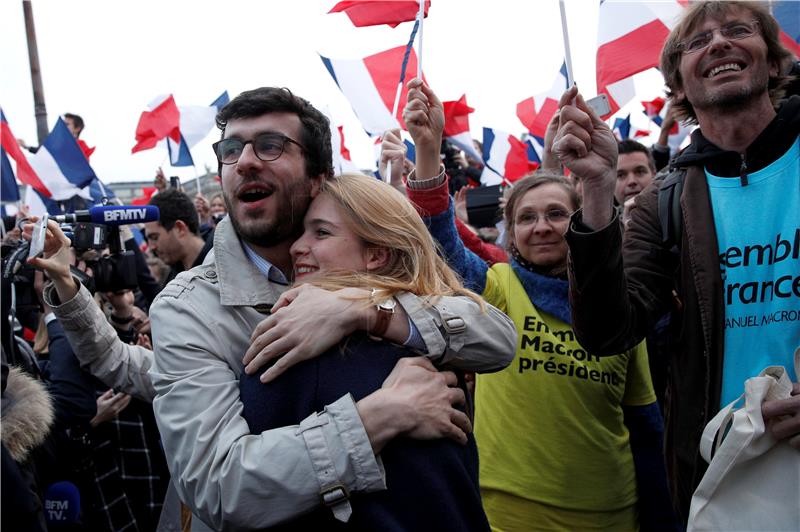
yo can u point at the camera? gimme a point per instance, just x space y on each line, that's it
95 230
483 206
110 273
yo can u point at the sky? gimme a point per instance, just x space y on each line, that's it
107 60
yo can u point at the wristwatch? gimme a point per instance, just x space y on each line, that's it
385 310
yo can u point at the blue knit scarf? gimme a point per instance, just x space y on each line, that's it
549 294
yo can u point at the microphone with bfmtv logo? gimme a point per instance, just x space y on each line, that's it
62 506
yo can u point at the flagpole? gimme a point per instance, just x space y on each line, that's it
420 17
565 33
103 190
396 106
197 178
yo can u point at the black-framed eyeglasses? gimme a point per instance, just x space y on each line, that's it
733 31
267 147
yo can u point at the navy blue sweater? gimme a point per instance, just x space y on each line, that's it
432 485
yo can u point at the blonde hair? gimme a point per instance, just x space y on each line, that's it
382 217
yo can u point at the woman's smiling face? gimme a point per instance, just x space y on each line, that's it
541 218
328 243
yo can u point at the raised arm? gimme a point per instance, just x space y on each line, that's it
613 306
586 145
95 341
427 184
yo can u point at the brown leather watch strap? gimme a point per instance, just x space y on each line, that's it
382 319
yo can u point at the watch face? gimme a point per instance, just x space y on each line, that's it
388 305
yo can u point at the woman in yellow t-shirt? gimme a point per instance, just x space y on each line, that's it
555 451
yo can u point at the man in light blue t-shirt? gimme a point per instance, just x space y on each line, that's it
731 276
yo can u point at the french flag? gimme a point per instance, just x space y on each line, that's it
456 126
622 129
654 108
95 193
9 191
25 173
160 122
535 148
342 161
370 85
505 157
196 121
139 238
374 12
61 166
535 113
144 199
629 40
39 204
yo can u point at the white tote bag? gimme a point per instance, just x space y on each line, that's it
753 480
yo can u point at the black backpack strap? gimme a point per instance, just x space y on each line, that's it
669 209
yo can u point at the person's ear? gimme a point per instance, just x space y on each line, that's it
316 184
377 258
774 69
181 226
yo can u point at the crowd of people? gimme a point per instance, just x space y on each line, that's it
312 351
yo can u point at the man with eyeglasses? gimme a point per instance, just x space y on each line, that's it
730 274
274 153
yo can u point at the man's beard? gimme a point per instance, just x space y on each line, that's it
726 99
286 224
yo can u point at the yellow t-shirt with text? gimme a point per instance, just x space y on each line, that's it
550 426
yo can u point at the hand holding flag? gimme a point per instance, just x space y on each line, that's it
393 150
424 118
584 142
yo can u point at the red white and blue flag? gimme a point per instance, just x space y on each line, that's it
61 166
161 121
656 109
623 130
24 172
370 84
180 128
631 35
9 191
535 148
375 12
196 121
629 40
505 157
456 126
535 113
342 162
